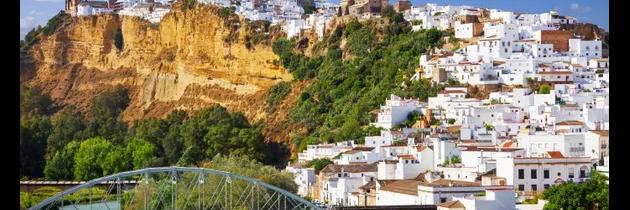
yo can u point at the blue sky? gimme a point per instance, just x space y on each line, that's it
37 12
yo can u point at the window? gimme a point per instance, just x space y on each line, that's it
571 173
546 186
521 187
442 200
559 173
546 174
582 173
534 174
521 174
534 187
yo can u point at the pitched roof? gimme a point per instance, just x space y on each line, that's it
358 149
452 204
600 132
555 154
370 185
490 149
507 144
355 168
451 183
409 187
406 156
570 122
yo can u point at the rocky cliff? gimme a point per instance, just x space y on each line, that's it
191 59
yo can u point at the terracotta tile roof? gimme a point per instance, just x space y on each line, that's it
452 204
368 186
570 122
507 144
600 132
453 183
555 154
555 72
408 187
490 149
358 149
355 168
406 156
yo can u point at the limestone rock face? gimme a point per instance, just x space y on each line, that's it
184 62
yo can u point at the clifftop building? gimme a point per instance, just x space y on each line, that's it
361 7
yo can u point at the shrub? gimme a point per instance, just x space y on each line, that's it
277 93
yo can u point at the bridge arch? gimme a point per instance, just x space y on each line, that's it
250 193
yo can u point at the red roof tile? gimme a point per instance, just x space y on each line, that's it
555 154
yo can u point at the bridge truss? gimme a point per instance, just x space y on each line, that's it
175 188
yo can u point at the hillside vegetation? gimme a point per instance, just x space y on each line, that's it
353 70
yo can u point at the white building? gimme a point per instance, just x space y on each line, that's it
589 49
396 110
535 174
303 177
537 144
495 198
412 192
324 151
358 155
340 181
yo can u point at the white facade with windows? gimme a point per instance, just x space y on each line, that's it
538 174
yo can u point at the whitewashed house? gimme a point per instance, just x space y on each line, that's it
536 174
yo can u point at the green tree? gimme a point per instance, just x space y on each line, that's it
456 159
318 164
592 194
244 166
544 89
67 125
105 111
33 135
33 101
92 155
214 130
277 93
361 42
61 165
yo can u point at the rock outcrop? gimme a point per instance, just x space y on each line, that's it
193 58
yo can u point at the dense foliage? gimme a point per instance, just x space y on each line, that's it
63 144
51 26
318 164
246 166
348 82
592 194
277 93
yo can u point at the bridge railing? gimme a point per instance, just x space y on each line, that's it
177 188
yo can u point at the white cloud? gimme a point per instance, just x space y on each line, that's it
30 20
578 8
